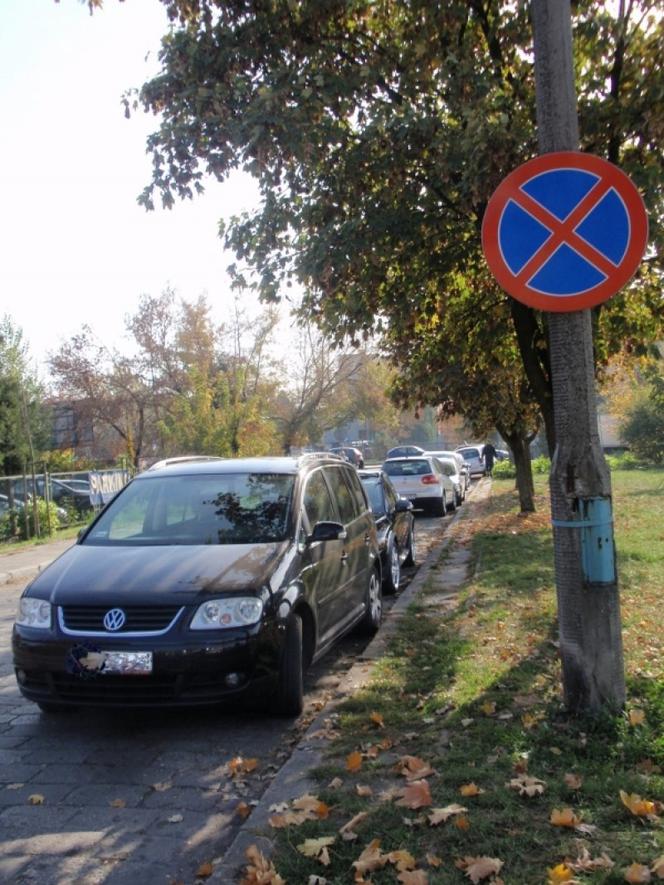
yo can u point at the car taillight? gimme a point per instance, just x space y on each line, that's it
429 479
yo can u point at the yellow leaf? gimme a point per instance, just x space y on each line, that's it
488 708
564 817
377 720
434 861
36 799
402 860
414 768
636 873
317 848
204 871
558 874
313 806
371 859
573 781
470 790
363 790
415 795
636 716
638 806
354 761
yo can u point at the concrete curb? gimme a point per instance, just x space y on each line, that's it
293 779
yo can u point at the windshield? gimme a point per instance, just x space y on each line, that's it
234 508
412 467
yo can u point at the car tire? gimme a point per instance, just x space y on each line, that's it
393 571
373 615
289 696
410 549
452 505
439 506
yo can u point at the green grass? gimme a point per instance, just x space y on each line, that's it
476 693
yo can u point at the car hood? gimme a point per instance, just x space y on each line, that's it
100 575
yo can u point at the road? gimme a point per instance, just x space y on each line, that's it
123 798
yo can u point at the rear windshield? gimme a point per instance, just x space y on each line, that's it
470 453
236 508
412 467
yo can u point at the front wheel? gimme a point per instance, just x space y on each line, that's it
393 571
289 697
373 615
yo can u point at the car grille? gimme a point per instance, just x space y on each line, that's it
139 618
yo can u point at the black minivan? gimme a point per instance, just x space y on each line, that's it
201 580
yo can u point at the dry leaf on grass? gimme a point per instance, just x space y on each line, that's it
416 795
335 783
347 832
461 822
434 861
371 859
354 761
363 790
413 768
377 720
527 785
584 863
559 874
636 716
478 868
259 870
488 708
636 873
317 848
658 867
413 877
440 815
305 808
573 781
470 790
402 860
564 817
638 806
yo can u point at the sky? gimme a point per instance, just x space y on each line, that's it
75 246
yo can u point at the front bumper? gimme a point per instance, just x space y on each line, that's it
186 670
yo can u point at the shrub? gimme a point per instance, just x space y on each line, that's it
541 464
624 461
504 470
43 510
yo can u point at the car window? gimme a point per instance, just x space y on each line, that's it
239 508
390 495
470 453
374 490
318 505
412 467
341 491
357 491
449 467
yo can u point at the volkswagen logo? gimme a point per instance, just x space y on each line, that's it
114 619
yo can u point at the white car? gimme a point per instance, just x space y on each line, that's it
464 467
451 468
473 456
424 481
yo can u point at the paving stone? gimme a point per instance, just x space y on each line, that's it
12 774
17 821
133 822
103 795
53 793
12 864
188 798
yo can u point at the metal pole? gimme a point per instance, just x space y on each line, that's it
586 580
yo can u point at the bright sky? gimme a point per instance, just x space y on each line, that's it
75 247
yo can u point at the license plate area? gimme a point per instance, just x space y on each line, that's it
127 663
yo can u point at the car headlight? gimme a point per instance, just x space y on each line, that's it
34 613
239 611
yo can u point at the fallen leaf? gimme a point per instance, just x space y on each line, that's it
414 768
335 783
316 880
584 863
467 722
638 806
434 861
243 810
440 815
347 832
530 720
279 807
488 708
377 720
238 765
415 795
560 873
36 799
371 859
573 781
461 822
259 870
204 871
478 868
637 716
527 785
118 803
175 819
413 877
162 788
564 817
637 872
317 848
354 761
556 751
470 790
363 790
658 867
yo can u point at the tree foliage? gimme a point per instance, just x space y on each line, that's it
643 427
377 132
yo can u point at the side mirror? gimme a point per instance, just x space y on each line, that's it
403 505
327 531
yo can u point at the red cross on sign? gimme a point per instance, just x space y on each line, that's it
564 231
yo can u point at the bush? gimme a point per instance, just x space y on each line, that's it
43 511
541 464
504 470
643 430
625 461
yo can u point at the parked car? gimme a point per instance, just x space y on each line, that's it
464 466
404 452
473 456
73 493
200 581
350 453
394 524
451 468
423 481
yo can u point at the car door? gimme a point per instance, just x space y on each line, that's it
400 521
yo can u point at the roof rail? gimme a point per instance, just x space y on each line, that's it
183 459
317 456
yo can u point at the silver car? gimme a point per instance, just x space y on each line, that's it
473 455
464 467
424 481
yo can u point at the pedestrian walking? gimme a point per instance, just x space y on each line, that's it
488 456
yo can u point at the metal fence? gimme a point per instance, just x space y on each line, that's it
35 505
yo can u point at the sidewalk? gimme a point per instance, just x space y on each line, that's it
26 563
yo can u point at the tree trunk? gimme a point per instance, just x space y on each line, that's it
519 444
588 601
